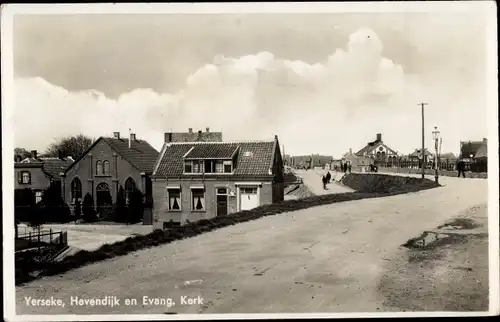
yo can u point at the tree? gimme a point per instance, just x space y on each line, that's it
21 154
56 210
89 213
136 206
73 146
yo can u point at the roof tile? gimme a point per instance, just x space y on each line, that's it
253 158
141 154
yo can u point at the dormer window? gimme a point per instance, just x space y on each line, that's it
208 166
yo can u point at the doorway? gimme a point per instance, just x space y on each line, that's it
104 201
221 199
249 198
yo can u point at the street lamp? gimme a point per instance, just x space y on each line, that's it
435 136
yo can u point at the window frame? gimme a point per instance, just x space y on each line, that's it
40 196
73 191
104 164
204 200
170 209
22 173
97 173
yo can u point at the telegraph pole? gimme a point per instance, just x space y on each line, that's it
422 105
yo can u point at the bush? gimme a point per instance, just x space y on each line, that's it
89 213
24 200
135 206
119 212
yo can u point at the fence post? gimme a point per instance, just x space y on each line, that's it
39 236
50 236
29 237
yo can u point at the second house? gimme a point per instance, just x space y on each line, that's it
201 180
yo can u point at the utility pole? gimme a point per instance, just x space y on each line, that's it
422 105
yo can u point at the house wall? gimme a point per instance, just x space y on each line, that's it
85 169
39 179
160 199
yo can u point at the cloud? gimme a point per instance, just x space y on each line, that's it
327 106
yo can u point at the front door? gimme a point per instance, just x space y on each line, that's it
249 198
221 196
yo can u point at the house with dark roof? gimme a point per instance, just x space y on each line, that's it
108 164
201 180
190 136
38 173
377 150
469 150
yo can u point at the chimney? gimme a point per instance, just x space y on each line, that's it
350 150
190 130
116 135
60 154
207 129
168 137
33 154
132 138
485 140
275 138
379 137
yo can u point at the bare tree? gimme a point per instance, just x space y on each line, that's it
73 146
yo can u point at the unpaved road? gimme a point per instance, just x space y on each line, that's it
312 179
324 259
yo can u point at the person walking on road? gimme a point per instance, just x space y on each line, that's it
324 182
349 168
461 168
328 176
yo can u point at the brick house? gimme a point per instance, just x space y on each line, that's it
110 162
191 136
201 180
378 151
38 173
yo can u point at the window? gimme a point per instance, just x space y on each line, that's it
228 167
188 167
99 171
129 189
219 167
197 166
174 199
209 166
106 168
24 177
38 196
198 199
249 191
76 190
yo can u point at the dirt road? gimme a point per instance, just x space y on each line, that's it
312 179
324 259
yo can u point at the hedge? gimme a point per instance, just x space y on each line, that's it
160 237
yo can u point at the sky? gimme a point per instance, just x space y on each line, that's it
324 83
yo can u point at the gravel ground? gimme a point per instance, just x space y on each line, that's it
324 259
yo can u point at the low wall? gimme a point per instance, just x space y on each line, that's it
468 174
385 183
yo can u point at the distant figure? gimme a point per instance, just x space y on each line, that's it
324 182
345 168
349 167
328 176
461 168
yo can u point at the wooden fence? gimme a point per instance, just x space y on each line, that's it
36 238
